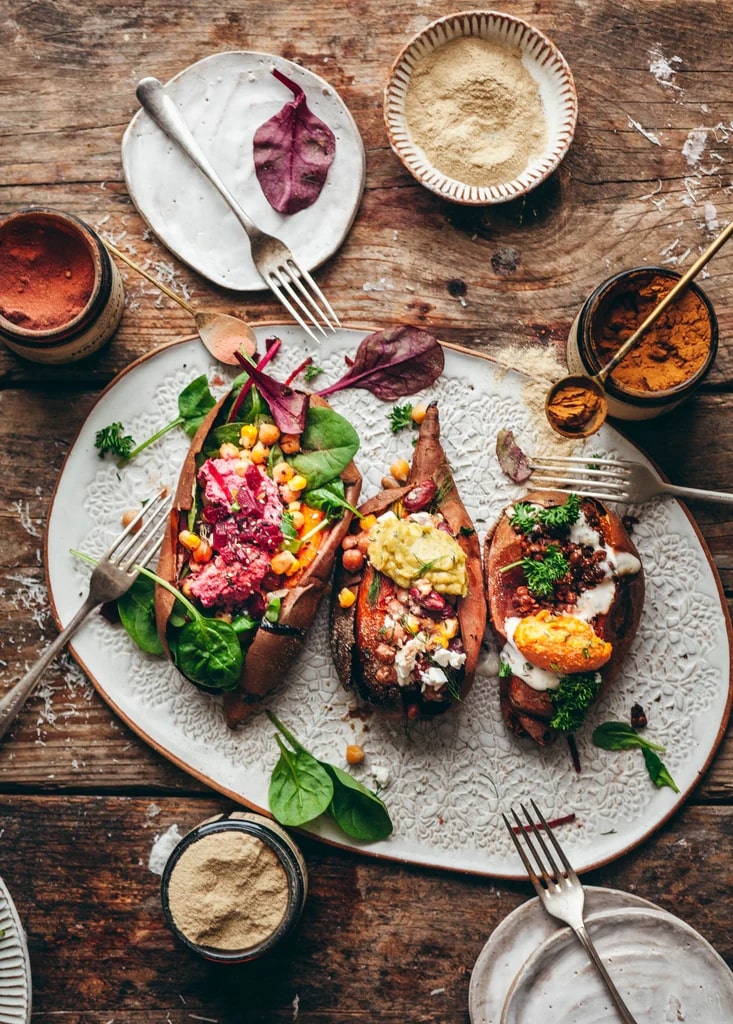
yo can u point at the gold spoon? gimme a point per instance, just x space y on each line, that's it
222 335
576 405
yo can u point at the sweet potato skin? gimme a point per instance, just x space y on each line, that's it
527 711
274 648
355 631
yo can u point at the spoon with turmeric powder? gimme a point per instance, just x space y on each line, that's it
223 335
576 406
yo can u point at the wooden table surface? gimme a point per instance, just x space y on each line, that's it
82 799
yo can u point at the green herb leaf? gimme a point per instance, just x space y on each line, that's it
194 402
208 652
296 789
111 439
300 787
523 516
311 372
658 773
572 698
356 810
136 609
400 417
561 515
620 736
329 443
329 499
543 574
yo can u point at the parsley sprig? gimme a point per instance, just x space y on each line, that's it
572 698
112 439
526 516
542 573
400 417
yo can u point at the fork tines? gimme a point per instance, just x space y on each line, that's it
544 871
142 535
288 283
607 479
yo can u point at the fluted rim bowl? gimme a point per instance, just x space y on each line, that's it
544 62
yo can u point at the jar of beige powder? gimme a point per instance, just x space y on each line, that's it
234 887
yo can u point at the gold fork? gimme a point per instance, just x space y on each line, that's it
560 891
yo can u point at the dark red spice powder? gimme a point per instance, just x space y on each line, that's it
46 274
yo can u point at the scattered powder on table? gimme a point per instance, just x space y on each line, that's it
228 891
475 111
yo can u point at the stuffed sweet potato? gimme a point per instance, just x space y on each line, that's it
408 610
257 519
565 589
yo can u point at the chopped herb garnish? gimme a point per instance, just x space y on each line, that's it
400 417
525 516
572 698
112 439
542 574
311 372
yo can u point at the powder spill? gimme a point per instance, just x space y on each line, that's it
694 145
475 111
163 846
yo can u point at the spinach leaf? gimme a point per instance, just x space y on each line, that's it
329 499
136 609
620 736
295 785
356 810
329 443
208 652
300 788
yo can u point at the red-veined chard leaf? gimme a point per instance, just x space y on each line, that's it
393 363
289 408
292 153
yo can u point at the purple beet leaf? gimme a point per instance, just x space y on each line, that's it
393 363
512 459
292 153
289 408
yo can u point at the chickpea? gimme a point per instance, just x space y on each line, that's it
268 434
282 472
289 444
127 518
259 454
353 560
354 754
228 450
282 562
349 541
363 542
202 553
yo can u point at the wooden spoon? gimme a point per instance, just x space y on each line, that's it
222 335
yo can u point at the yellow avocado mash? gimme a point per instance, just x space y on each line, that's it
407 551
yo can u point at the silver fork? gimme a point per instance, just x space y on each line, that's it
113 575
609 479
291 283
560 891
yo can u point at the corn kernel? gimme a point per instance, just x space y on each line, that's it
298 519
260 454
346 597
295 567
400 470
298 483
203 552
282 562
282 472
268 433
367 522
419 412
190 541
449 628
248 435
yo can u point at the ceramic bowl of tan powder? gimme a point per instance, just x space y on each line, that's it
234 887
480 107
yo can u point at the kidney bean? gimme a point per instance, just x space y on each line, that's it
432 602
419 497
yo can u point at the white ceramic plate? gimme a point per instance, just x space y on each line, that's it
15 968
224 98
543 61
447 782
664 970
516 939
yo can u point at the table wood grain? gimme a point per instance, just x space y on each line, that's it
648 180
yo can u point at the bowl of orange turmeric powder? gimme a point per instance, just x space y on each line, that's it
672 358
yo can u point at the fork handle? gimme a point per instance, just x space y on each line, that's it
166 115
623 1010
697 492
17 695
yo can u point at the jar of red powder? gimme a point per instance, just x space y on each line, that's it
61 296
671 359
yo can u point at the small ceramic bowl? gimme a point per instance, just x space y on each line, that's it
634 293
541 59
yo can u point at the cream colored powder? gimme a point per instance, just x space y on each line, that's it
228 891
475 111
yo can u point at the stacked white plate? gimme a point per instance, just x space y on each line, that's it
533 969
